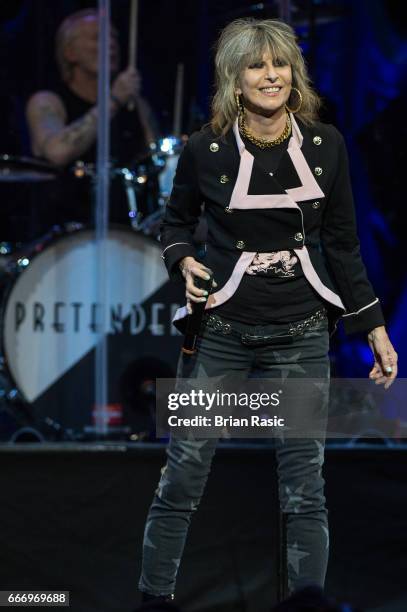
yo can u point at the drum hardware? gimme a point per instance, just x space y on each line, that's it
81 169
115 432
6 248
161 162
131 180
25 169
25 183
10 260
17 260
158 158
27 435
164 155
169 150
150 226
146 187
170 145
134 181
58 431
29 427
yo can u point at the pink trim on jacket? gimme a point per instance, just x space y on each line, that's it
219 297
241 199
308 191
314 280
352 314
310 188
228 289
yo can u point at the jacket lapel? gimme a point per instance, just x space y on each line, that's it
292 182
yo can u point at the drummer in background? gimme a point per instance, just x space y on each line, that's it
63 123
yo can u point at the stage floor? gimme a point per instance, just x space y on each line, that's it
72 518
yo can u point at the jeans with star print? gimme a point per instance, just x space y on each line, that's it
299 461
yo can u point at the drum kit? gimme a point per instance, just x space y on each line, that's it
48 306
51 310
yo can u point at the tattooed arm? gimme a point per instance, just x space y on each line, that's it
60 143
51 138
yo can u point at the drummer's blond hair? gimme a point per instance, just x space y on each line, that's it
242 43
64 36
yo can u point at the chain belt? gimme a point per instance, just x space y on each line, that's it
299 328
215 323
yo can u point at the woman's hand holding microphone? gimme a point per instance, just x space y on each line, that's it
190 268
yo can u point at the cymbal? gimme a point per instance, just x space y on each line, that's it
16 169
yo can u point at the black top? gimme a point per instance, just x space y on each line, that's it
127 139
273 288
73 198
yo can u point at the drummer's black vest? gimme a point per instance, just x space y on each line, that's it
71 198
127 140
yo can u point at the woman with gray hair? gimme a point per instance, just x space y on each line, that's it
276 188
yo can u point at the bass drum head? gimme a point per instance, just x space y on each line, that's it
52 319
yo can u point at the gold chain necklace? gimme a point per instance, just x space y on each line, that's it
262 143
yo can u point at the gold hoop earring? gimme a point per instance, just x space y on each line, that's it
239 105
295 110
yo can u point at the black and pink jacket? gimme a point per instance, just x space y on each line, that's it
305 206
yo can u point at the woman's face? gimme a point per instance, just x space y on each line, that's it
265 85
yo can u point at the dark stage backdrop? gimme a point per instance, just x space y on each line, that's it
72 518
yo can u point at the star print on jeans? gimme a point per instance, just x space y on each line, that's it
191 450
326 532
295 499
294 556
176 562
288 365
319 459
163 483
190 381
147 541
201 372
279 433
209 384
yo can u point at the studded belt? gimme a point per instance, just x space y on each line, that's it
293 330
302 326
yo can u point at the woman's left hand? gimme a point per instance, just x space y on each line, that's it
385 357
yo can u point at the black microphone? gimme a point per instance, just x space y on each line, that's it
194 320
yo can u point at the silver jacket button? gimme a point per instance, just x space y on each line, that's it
298 236
240 244
214 147
317 140
228 209
224 178
316 204
318 171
